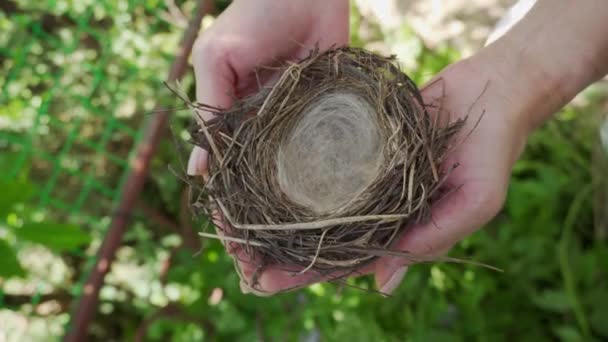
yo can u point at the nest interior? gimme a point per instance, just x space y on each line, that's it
325 169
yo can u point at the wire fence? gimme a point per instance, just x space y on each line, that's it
77 81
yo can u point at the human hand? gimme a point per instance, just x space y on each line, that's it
537 67
511 81
250 34
485 150
483 181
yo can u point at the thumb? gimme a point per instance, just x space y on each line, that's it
214 85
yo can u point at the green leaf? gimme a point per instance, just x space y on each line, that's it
597 300
568 334
8 160
56 236
13 192
598 322
552 300
9 265
230 319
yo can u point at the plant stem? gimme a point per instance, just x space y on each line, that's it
564 261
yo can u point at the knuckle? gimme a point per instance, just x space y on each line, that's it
209 50
200 46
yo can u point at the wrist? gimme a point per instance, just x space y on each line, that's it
536 86
552 54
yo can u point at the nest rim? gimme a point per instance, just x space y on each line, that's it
272 228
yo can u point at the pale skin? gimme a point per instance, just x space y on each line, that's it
554 52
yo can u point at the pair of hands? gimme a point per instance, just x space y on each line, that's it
265 32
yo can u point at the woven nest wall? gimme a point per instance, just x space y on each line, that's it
323 171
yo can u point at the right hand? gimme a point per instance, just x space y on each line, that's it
247 35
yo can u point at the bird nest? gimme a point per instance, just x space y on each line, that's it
324 171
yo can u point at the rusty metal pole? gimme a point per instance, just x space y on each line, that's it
155 127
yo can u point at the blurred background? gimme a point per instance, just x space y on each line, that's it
79 81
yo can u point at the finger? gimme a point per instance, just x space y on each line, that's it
256 280
214 84
391 281
214 76
197 162
247 264
275 279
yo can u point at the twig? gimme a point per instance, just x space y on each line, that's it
313 224
87 305
175 14
231 239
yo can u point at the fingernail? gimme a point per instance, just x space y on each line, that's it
244 287
192 162
196 161
394 281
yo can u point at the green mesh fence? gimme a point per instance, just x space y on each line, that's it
76 80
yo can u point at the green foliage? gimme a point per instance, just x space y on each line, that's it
9 265
13 192
56 236
17 221
88 70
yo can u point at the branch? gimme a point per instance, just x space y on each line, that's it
156 125
175 15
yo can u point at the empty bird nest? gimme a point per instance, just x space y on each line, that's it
323 171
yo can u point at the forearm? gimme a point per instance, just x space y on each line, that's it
554 52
